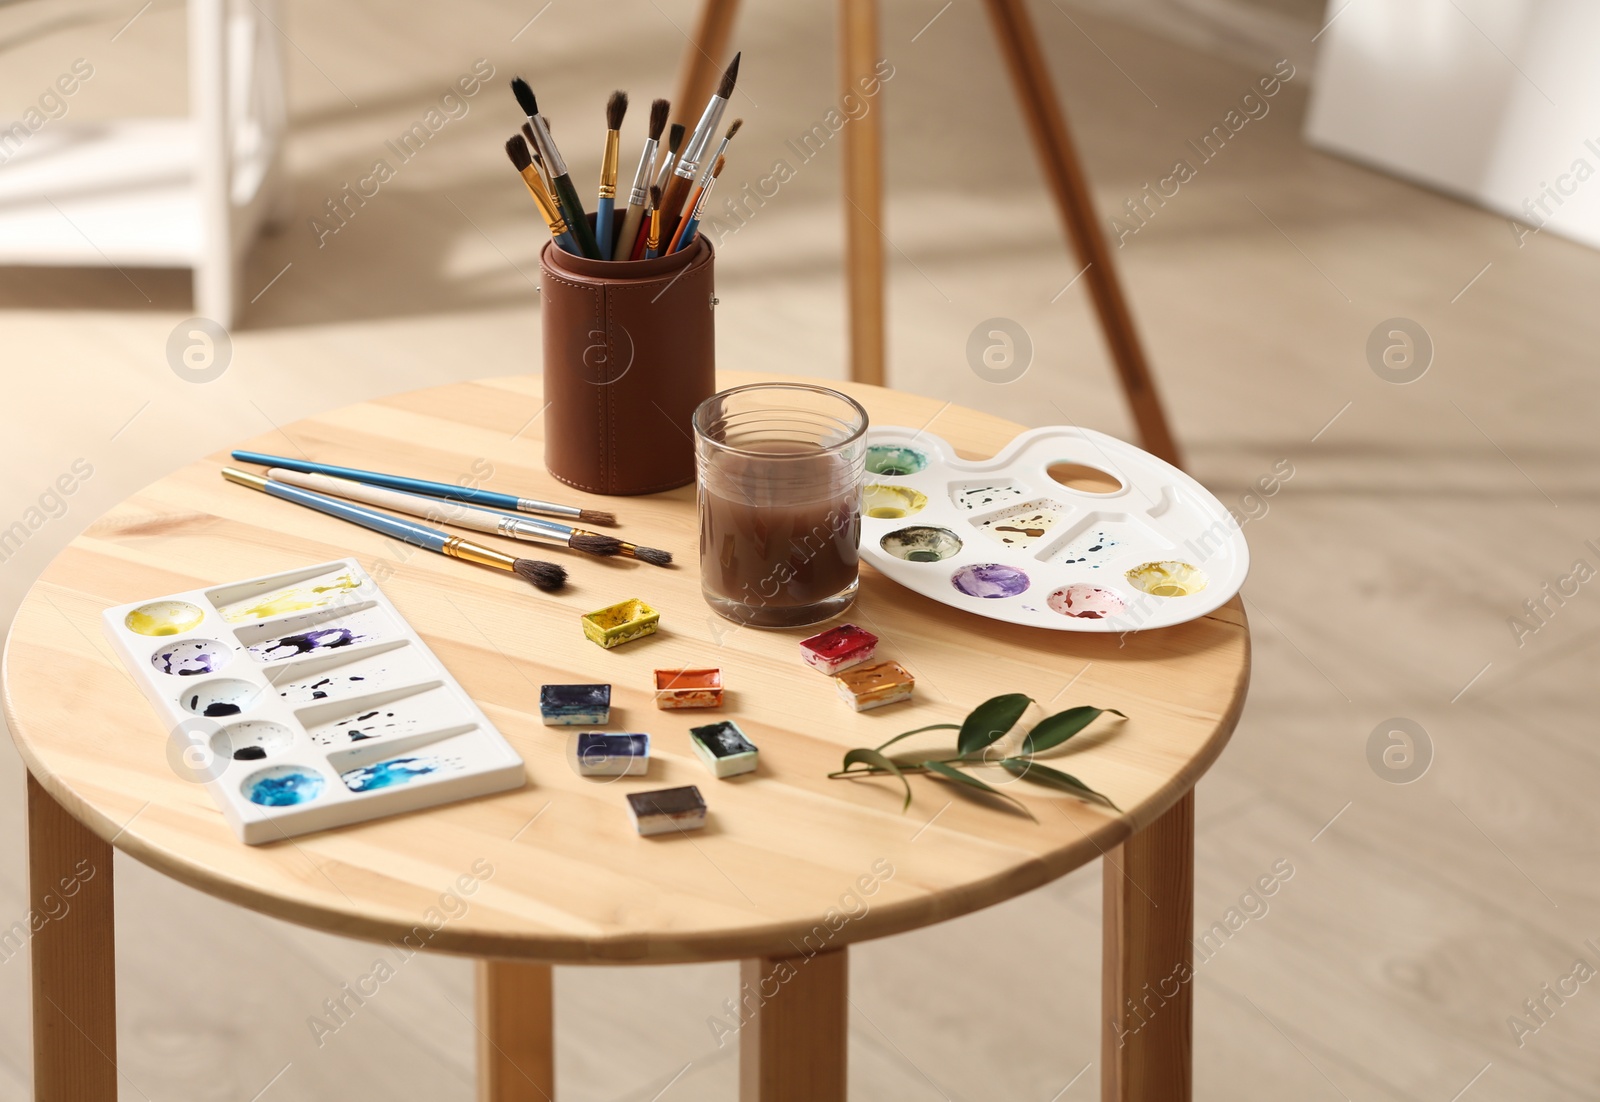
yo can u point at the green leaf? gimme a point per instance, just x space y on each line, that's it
919 730
1028 770
867 756
1052 731
951 773
990 720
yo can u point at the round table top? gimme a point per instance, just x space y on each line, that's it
789 860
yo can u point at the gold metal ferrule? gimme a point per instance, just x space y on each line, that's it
608 166
466 550
547 205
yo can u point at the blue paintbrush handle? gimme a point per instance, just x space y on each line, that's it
392 481
603 226
418 535
688 234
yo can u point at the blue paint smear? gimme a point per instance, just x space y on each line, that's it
285 789
387 774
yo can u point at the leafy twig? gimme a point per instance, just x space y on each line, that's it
985 725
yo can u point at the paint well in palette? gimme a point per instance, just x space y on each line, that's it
283 786
396 771
921 543
1086 602
164 618
223 697
323 638
992 580
575 705
251 740
362 674
192 658
321 592
894 461
1024 527
974 497
891 502
1093 548
1168 579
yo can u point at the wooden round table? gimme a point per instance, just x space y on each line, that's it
792 867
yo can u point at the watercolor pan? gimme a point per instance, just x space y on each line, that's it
1066 528
868 687
724 749
667 810
620 623
838 648
308 702
575 705
698 687
603 754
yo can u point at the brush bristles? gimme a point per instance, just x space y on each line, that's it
616 108
525 98
725 89
734 129
655 204
659 109
716 169
517 150
675 137
591 543
652 555
547 576
595 516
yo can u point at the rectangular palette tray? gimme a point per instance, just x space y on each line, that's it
1066 528
304 700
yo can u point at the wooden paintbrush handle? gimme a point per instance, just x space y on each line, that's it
672 205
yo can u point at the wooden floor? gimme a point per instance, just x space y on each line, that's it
1416 521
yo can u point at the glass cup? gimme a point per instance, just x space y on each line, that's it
780 468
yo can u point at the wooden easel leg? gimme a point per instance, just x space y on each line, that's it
1048 125
1146 1039
704 61
792 1044
73 946
516 1032
863 193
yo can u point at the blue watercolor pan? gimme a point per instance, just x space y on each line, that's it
575 705
603 754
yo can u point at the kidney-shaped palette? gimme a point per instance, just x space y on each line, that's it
1066 528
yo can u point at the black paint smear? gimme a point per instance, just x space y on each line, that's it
320 639
250 753
221 708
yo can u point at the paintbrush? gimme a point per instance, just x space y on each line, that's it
543 575
705 180
604 219
489 498
691 224
640 194
439 511
652 239
694 149
522 161
560 180
538 161
674 143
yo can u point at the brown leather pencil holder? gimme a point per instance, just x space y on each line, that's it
629 353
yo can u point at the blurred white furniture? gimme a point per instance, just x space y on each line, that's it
168 192
1493 101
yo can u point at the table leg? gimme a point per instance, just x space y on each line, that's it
863 193
1146 1045
516 1032
74 956
796 1020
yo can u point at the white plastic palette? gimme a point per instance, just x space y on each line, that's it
1005 539
305 701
